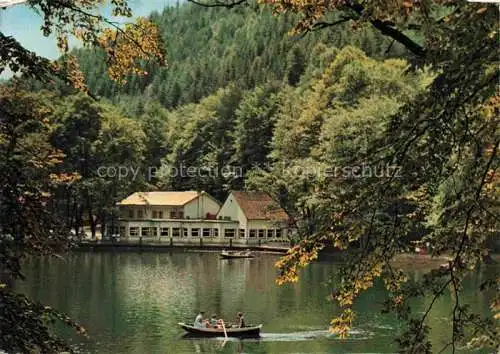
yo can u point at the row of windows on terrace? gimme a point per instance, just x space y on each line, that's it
157 214
199 232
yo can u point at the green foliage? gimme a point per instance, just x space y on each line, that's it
202 142
26 326
333 113
445 142
125 45
284 138
255 118
28 181
296 66
210 48
96 141
155 127
27 168
326 121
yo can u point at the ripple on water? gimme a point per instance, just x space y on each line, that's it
298 336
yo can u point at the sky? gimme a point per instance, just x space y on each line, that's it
24 24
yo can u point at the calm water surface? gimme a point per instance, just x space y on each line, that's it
131 303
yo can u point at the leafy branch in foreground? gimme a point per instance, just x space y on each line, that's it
399 20
29 164
446 142
17 311
125 45
28 177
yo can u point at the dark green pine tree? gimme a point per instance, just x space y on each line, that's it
254 128
296 64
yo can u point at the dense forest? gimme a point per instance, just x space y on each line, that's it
246 120
233 138
211 48
381 127
243 104
240 96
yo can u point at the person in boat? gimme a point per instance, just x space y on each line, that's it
198 321
214 323
240 320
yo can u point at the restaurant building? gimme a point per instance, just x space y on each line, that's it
245 217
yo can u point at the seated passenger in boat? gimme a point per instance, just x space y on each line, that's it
214 322
198 322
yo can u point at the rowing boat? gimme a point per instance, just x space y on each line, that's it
252 331
236 254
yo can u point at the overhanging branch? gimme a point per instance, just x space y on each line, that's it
399 37
320 25
387 29
218 3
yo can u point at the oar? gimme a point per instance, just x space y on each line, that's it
223 327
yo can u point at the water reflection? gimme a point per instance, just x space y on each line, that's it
132 302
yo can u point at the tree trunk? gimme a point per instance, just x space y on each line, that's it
70 214
78 218
103 220
92 222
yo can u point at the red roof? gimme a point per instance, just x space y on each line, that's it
259 206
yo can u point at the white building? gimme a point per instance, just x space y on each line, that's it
257 214
190 216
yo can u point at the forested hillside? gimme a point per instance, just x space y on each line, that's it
341 105
232 139
365 144
209 48
241 102
242 105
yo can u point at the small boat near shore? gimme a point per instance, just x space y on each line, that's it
251 331
236 254
420 247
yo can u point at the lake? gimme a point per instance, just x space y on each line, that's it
131 302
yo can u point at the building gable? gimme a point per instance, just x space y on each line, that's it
230 210
202 207
259 206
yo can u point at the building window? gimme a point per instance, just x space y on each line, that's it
176 232
154 231
270 233
261 233
122 231
140 214
206 232
157 214
146 231
134 231
195 232
164 231
176 214
229 233
242 233
216 232
131 213
278 233
184 232
253 233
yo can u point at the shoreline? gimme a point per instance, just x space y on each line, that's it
166 247
403 260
